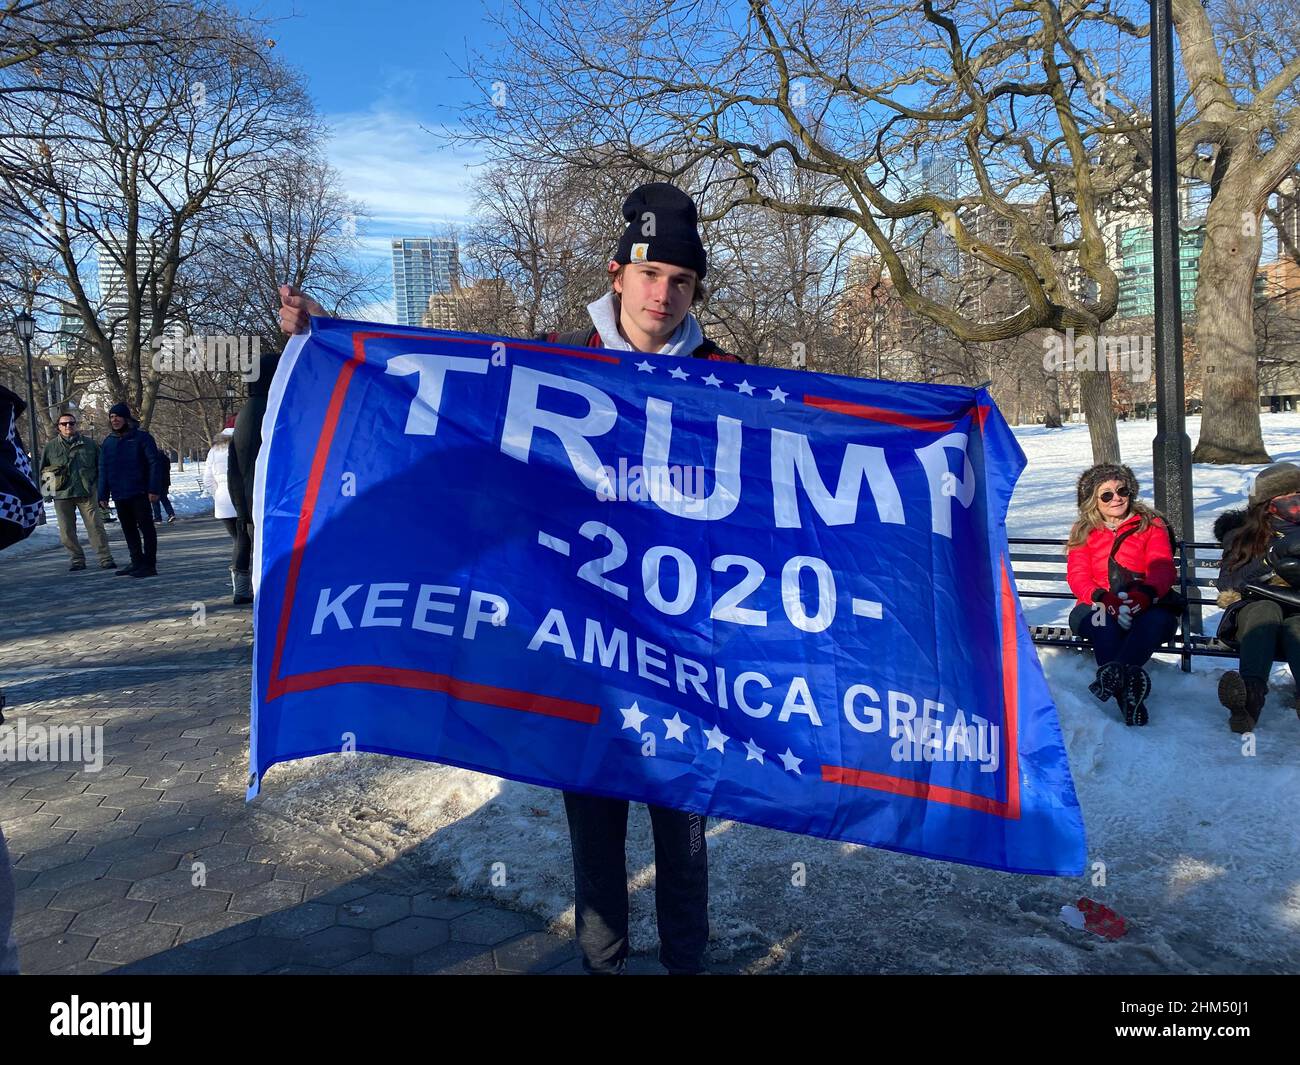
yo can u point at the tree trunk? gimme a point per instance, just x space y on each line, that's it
1225 330
1094 398
1052 402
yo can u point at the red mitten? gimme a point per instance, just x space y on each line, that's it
1138 597
1109 600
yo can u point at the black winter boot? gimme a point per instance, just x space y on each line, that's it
1109 679
1244 697
1132 696
241 582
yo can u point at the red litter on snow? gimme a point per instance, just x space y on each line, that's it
1102 920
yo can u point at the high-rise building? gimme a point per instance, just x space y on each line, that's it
109 253
1135 269
990 293
71 331
927 249
422 266
1289 223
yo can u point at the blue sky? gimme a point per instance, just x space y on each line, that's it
383 75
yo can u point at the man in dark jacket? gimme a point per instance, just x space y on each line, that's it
70 470
131 472
655 277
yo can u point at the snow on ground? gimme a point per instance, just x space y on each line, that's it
1195 837
186 495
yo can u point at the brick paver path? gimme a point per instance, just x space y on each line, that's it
106 861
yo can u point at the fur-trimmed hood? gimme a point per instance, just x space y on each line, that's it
1226 522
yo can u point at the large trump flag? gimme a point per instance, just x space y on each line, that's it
775 596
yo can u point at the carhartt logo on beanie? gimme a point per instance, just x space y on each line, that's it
662 227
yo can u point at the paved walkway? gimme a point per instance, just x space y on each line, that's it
155 864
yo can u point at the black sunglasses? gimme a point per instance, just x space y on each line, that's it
1122 492
67 423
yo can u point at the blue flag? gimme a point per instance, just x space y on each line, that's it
769 595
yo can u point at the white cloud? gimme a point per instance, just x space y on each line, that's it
410 182
384 311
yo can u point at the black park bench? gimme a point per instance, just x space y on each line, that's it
1197 564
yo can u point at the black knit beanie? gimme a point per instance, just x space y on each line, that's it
662 227
1100 474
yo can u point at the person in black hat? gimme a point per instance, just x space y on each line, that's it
1259 587
656 275
1120 566
131 472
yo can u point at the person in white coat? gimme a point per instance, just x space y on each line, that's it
215 484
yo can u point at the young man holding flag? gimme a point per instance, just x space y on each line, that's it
656 275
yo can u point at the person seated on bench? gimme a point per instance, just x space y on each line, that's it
1120 566
1258 578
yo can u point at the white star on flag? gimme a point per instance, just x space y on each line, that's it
645 367
717 739
791 762
675 728
713 381
753 752
777 394
632 717
678 373
745 387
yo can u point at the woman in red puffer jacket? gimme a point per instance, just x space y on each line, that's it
1121 569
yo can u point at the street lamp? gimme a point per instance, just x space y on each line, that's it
24 330
1171 450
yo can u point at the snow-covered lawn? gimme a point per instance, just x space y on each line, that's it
186 495
1192 837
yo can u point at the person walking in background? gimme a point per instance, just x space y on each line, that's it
162 502
216 482
1259 589
69 474
131 473
1120 566
245 443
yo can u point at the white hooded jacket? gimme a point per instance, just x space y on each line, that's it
215 473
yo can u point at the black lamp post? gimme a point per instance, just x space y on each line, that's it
1171 449
24 330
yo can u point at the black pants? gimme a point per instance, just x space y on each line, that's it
137 527
598 828
1268 631
159 505
241 552
1129 647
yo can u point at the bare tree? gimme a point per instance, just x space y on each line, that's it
1242 63
851 95
121 162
